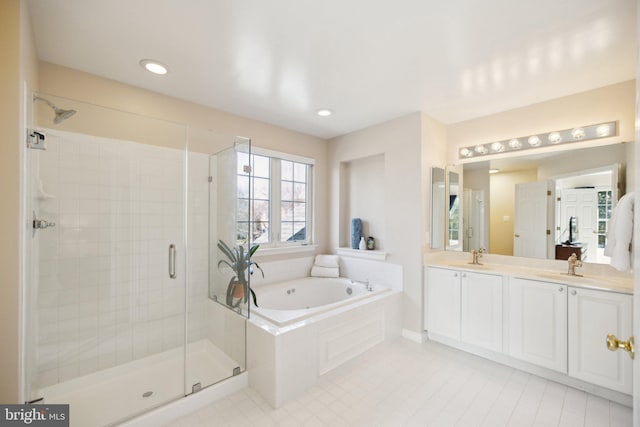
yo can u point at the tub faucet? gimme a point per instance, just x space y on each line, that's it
573 263
476 255
365 283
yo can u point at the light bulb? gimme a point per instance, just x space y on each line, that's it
497 147
577 133
603 130
534 140
481 149
515 144
465 152
554 137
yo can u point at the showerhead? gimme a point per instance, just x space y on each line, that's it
60 114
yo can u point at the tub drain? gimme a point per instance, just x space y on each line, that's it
147 394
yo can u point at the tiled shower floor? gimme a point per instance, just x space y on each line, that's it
408 384
117 393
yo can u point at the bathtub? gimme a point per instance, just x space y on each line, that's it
296 300
306 327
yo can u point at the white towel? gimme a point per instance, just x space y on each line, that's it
327 261
318 271
620 234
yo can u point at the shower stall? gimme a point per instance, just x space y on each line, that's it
125 307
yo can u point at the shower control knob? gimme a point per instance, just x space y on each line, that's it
41 223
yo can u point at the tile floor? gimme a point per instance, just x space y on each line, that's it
408 384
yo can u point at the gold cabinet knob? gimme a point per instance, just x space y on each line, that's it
613 343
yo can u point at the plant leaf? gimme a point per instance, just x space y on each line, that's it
253 294
226 250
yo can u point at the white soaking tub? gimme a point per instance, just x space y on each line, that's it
295 300
306 327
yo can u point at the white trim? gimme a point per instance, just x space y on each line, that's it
24 278
280 155
289 249
357 253
419 337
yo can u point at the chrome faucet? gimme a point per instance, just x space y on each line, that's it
366 284
476 255
573 263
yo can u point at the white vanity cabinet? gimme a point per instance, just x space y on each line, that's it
443 302
465 306
592 315
537 327
481 310
557 326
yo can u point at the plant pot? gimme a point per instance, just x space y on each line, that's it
235 294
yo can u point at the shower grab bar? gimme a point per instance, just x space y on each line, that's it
172 261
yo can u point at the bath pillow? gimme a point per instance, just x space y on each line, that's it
318 271
327 261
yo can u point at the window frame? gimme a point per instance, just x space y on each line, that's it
275 197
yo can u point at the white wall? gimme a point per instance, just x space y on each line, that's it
90 90
365 180
406 217
609 103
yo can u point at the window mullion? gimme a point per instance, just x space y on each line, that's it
275 201
310 208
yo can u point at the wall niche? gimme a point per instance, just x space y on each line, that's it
362 195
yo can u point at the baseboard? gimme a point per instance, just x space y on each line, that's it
419 337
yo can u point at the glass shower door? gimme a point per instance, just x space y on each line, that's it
108 263
216 343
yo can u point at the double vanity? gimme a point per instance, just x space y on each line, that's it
535 317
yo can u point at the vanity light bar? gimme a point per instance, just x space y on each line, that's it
558 137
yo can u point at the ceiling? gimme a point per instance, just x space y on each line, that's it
369 61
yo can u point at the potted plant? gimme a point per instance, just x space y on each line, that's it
240 262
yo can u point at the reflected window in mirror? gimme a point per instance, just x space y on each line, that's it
454 241
438 210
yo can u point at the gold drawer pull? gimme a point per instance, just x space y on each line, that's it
613 343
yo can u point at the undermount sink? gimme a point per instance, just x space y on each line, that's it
470 266
568 278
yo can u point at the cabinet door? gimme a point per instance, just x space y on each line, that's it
443 302
538 323
592 315
481 310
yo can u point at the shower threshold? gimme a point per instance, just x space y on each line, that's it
121 392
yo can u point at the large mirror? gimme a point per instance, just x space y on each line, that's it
453 204
438 223
544 206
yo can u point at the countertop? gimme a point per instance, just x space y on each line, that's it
556 272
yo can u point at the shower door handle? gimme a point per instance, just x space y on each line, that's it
172 261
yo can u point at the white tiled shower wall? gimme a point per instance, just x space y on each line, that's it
103 294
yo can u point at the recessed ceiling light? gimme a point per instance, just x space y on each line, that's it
492 171
154 67
324 112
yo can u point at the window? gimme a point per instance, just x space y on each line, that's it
604 215
277 192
